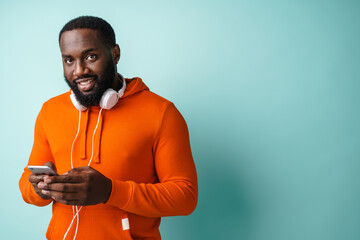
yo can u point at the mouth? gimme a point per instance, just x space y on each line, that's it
85 84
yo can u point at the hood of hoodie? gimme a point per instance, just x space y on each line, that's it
134 86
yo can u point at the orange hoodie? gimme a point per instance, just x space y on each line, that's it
141 144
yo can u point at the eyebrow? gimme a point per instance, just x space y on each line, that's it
82 53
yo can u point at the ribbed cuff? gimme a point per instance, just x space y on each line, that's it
120 194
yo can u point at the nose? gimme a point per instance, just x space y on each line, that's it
80 69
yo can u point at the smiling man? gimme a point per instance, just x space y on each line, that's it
122 153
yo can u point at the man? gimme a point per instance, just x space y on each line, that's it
122 153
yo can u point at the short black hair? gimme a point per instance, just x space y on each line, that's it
95 23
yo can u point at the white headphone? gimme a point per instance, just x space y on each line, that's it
108 100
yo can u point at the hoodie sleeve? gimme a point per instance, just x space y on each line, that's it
40 154
177 190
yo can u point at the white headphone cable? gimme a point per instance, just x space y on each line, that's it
71 159
72 221
77 220
71 164
72 146
92 143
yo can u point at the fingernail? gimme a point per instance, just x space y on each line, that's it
45 192
47 180
41 185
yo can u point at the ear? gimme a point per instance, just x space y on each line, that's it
116 53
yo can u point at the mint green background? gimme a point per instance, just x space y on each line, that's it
269 89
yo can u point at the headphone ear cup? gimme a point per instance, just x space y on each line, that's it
109 99
75 102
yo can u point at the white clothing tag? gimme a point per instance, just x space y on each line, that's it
125 224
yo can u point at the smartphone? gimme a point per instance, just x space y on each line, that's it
45 170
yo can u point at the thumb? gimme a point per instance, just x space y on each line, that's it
51 165
80 169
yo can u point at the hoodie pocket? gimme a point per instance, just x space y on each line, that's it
93 224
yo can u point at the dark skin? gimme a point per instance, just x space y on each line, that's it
35 179
80 186
83 53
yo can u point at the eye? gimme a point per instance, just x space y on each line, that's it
91 57
68 60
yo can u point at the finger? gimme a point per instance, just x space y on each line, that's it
64 187
41 185
69 202
81 169
35 178
65 198
65 178
51 165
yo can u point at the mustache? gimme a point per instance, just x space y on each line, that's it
86 76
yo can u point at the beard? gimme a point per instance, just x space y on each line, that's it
102 83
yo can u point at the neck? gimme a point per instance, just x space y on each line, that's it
117 83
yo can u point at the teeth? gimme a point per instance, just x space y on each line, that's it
85 82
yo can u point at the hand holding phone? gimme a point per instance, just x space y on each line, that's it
38 174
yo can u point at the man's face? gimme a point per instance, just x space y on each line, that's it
89 68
